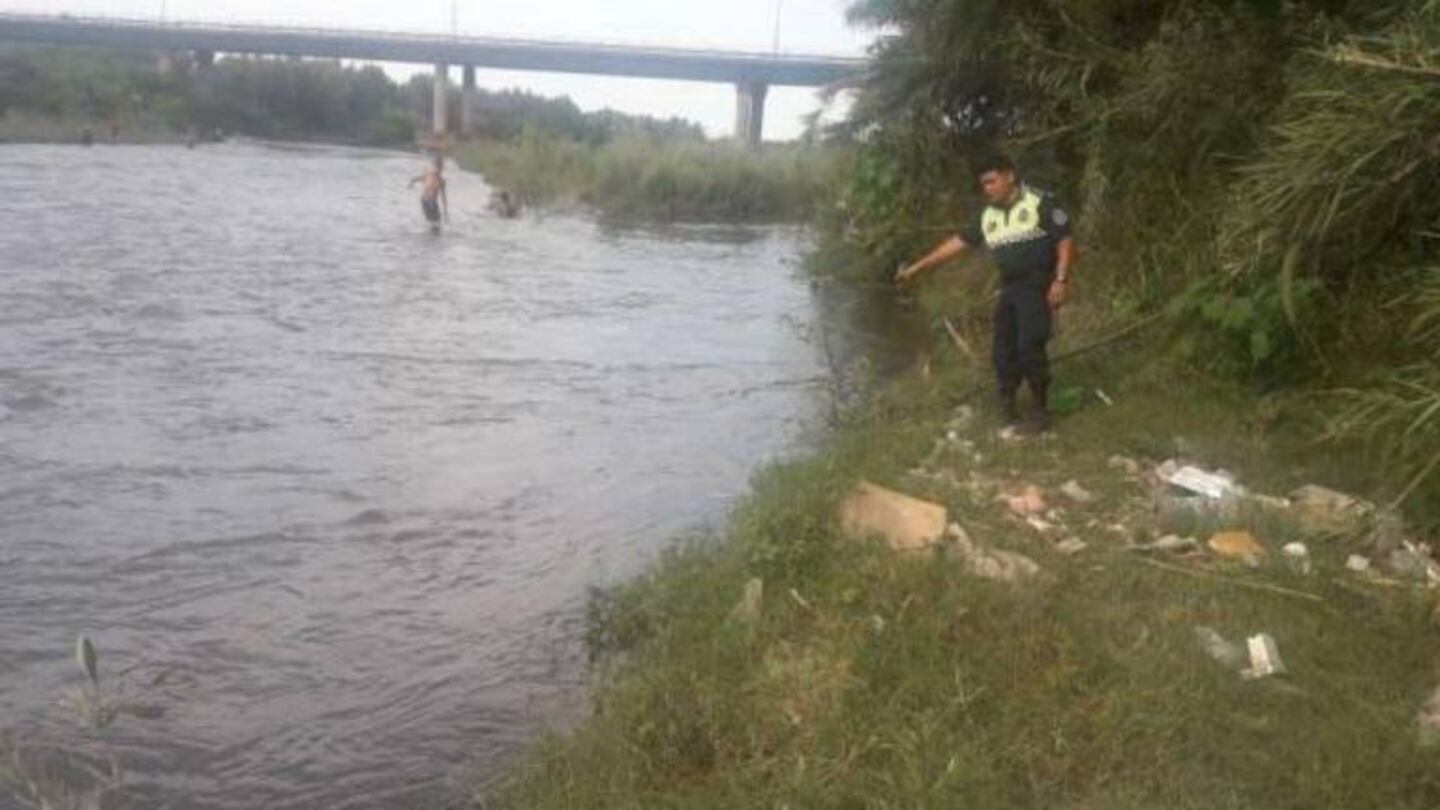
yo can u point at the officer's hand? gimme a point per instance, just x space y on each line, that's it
1059 294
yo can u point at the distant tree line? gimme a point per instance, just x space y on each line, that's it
281 98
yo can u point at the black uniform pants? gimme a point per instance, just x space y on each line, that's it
1022 328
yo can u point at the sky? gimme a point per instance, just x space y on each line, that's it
805 26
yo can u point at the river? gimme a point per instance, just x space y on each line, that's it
348 482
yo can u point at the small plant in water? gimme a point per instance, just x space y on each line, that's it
90 778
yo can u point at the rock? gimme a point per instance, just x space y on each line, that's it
1001 566
747 610
1071 546
1238 546
906 523
1358 564
1324 510
1072 490
1028 501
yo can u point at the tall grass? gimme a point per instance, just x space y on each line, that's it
657 179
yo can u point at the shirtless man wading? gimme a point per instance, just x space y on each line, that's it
432 193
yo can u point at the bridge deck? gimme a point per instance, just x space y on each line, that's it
491 52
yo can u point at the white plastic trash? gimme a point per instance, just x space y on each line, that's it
1194 479
1264 658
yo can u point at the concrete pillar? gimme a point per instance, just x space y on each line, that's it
469 117
750 112
440 121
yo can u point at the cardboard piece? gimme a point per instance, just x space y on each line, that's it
906 523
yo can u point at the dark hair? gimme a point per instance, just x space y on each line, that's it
993 163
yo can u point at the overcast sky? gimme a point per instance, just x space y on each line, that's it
809 26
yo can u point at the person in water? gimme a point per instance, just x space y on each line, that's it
505 205
433 199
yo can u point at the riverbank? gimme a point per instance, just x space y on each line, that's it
866 677
669 180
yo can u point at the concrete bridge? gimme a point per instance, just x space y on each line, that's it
752 74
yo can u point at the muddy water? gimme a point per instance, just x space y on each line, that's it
349 480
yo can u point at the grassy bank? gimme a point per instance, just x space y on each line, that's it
21 127
677 180
877 679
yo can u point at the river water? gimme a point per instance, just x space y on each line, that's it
349 482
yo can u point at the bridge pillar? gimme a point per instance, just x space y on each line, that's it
469 117
750 112
440 121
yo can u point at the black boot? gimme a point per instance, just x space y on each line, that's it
1040 418
1009 407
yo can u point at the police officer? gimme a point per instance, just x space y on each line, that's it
1028 235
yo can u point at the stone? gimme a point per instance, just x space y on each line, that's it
1071 546
1358 564
1238 546
1072 490
906 523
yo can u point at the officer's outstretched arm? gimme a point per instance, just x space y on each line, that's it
946 251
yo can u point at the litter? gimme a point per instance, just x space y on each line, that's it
1238 546
1001 566
1321 509
747 610
1298 556
1227 653
1171 543
1028 501
1041 526
1071 546
1075 492
1358 564
906 523
1198 481
1129 466
1264 658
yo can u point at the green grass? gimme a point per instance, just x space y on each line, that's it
877 680
665 180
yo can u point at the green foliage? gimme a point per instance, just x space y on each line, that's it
643 177
272 97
